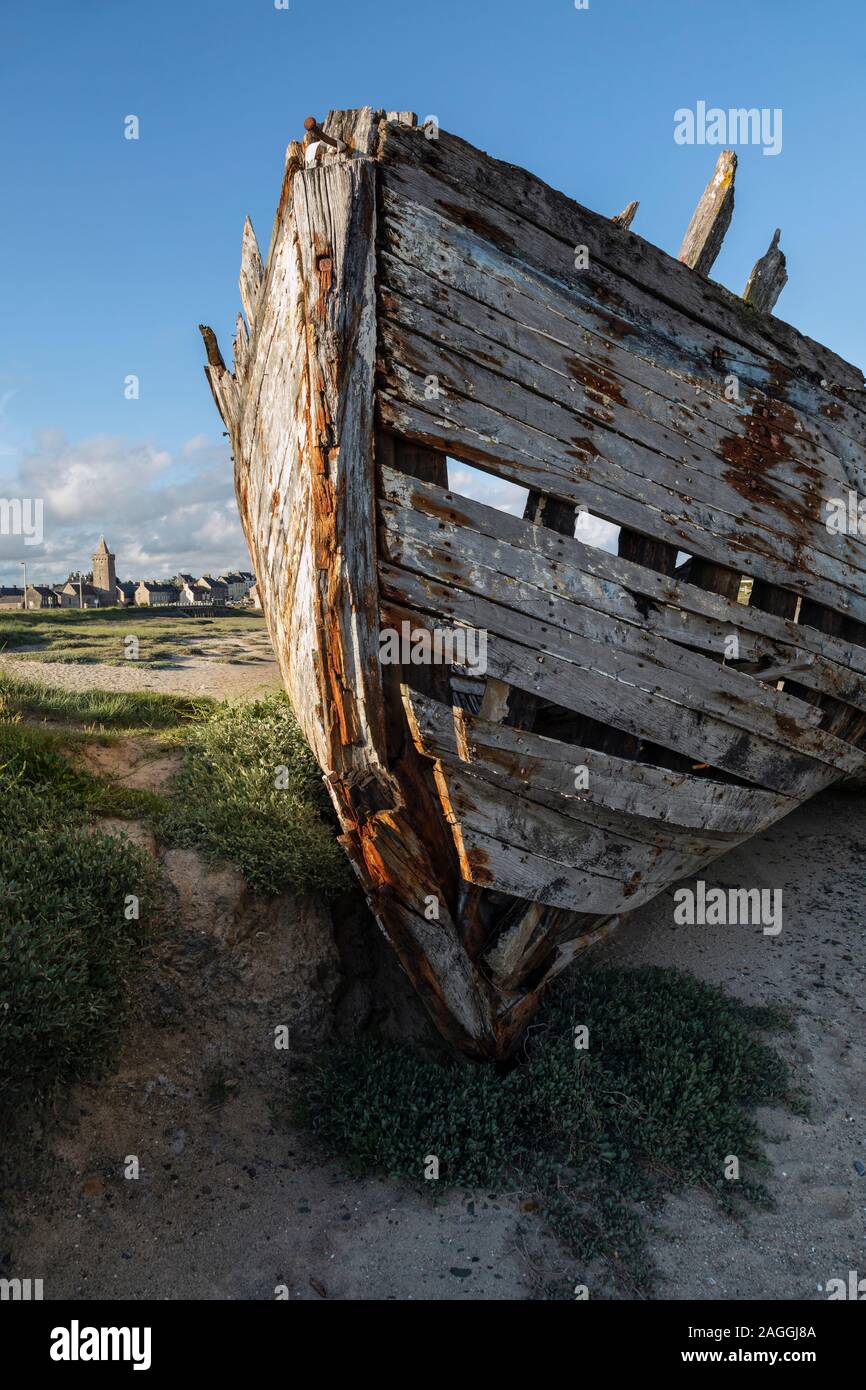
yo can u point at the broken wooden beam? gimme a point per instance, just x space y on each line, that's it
625 218
251 273
711 218
768 278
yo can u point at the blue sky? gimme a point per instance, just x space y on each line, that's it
114 250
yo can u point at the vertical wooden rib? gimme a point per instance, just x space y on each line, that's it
768 278
711 218
413 771
701 245
642 550
766 282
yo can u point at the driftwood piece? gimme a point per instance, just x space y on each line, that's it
768 278
711 218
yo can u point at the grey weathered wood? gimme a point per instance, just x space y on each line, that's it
625 693
768 278
499 573
615 863
618 441
711 218
674 609
761 710
625 218
251 274
530 762
757 453
241 351
518 211
490 438
660 351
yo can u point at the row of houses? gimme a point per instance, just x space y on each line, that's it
189 592
206 592
102 589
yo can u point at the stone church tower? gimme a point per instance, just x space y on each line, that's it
104 576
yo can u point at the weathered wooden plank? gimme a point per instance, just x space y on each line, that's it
500 444
756 455
783 718
475 804
335 218
507 577
621 694
241 351
252 273
652 352
676 610
489 863
516 208
711 218
699 250
621 449
529 761
625 218
768 278
557 579
411 772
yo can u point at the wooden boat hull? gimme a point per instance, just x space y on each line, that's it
633 720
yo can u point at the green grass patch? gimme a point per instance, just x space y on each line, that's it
69 937
109 709
664 1092
98 635
250 791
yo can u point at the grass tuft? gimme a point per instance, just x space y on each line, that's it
68 946
250 791
663 1094
109 709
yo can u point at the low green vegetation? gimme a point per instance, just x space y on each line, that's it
71 930
91 636
250 791
105 709
664 1092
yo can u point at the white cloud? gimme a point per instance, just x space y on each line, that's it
159 513
194 445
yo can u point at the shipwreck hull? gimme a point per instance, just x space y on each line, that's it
421 301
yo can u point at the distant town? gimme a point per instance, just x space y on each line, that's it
100 588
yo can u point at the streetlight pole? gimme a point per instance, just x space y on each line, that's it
23 563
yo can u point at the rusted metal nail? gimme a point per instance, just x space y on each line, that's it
312 125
